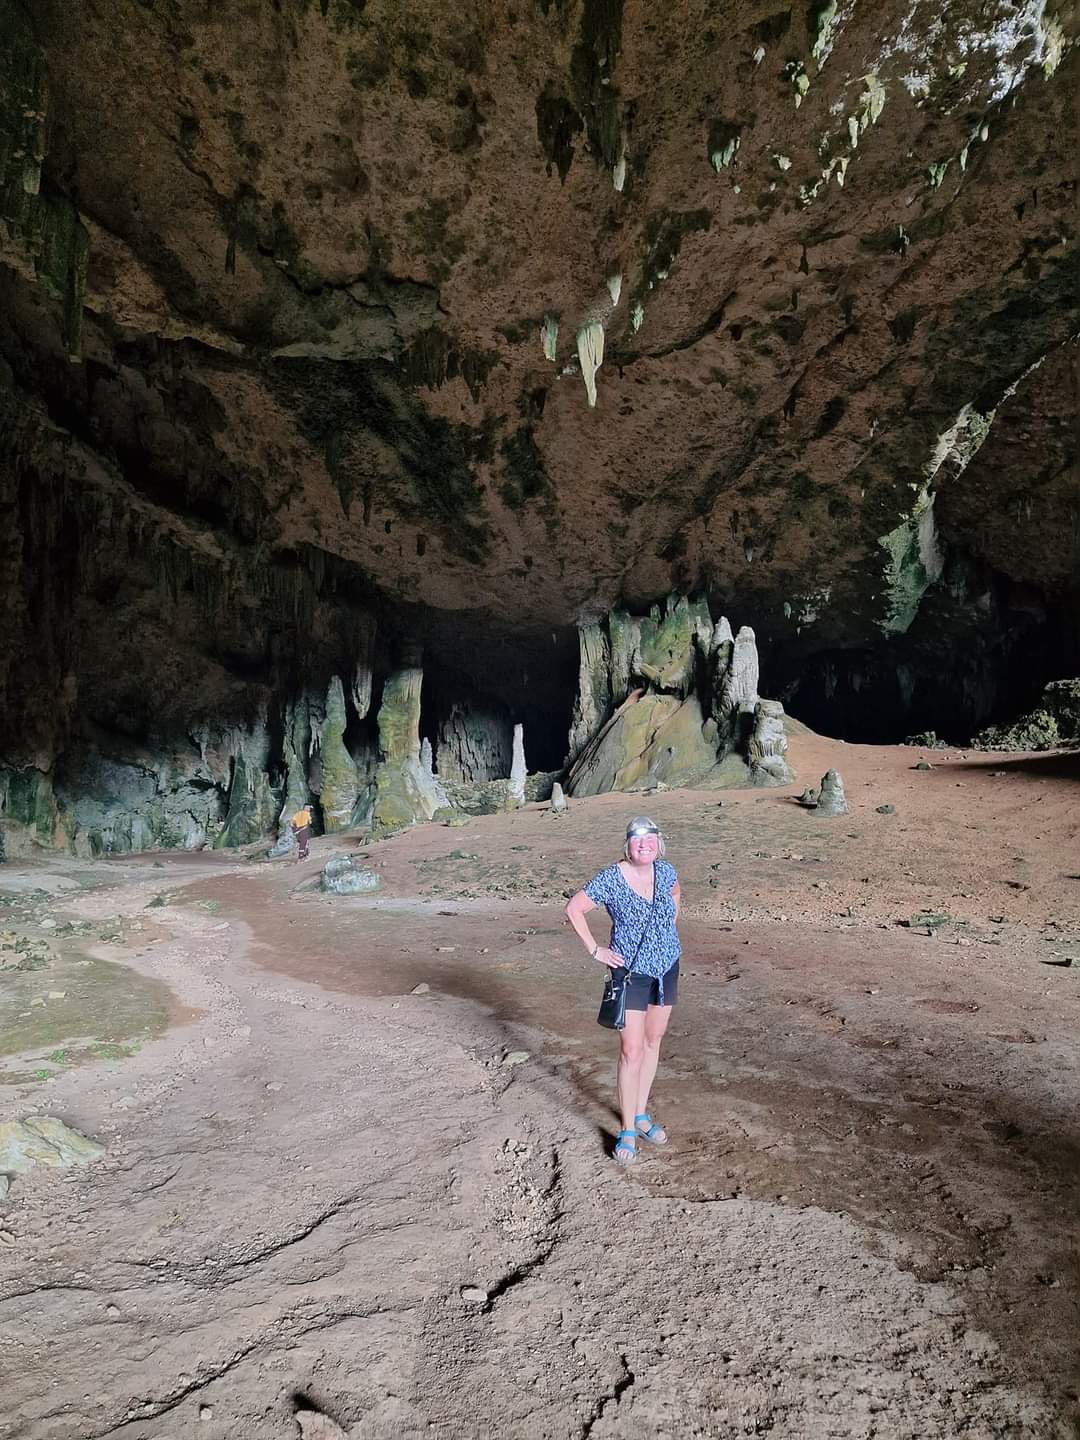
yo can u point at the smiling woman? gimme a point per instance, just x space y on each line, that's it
641 895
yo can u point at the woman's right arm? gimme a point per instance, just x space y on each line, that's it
576 910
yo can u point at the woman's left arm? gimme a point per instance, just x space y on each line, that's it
676 895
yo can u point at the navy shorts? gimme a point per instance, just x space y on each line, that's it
644 990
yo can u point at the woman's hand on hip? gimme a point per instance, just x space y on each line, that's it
611 958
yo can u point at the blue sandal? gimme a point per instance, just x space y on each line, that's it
649 1130
625 1151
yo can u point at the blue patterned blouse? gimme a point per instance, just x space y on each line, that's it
630 913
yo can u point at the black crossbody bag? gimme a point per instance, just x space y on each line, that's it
612 1012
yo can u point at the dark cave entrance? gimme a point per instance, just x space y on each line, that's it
946 678
481 680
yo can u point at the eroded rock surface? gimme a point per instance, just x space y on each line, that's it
300 368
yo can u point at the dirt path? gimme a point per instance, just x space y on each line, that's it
323 1193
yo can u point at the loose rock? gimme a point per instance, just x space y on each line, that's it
341 875
43 1140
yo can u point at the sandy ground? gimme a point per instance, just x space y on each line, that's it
329 1206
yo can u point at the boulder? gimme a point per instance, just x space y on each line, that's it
43 1140
342 875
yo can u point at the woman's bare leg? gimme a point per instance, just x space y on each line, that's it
631 1058
656 1019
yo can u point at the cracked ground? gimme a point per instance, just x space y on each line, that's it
328 1206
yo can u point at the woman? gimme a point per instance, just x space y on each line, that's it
641 895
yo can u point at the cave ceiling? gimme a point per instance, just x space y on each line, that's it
310 284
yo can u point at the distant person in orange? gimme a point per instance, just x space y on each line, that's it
301 829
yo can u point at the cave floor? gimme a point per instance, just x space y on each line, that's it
330 1206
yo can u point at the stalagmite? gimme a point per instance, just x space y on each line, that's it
831 799
549 337
594 686
340 787
405 788
768 744
738 694
517 770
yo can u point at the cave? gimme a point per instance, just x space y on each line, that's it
445 449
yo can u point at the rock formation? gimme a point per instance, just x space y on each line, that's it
686 708
831 799
300 370
518 773
342 875
405 788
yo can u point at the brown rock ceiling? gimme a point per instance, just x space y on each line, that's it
323 238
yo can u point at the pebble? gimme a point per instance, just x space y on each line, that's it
273 1086
7 1238
473 1295
112 1311
420 990
57 994
445 949
515 1057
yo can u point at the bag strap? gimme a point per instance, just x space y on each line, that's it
629 969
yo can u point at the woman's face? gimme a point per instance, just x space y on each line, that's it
643 849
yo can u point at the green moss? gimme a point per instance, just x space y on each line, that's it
820 23
557 125
1037 731
724 141
438 244
524 477
663 235
667 642
45 237
252 809
27 796
435 483
592 72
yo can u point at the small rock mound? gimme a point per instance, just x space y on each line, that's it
341 875
831 798
1055 722
43 1140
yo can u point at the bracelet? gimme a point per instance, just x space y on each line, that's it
595 951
